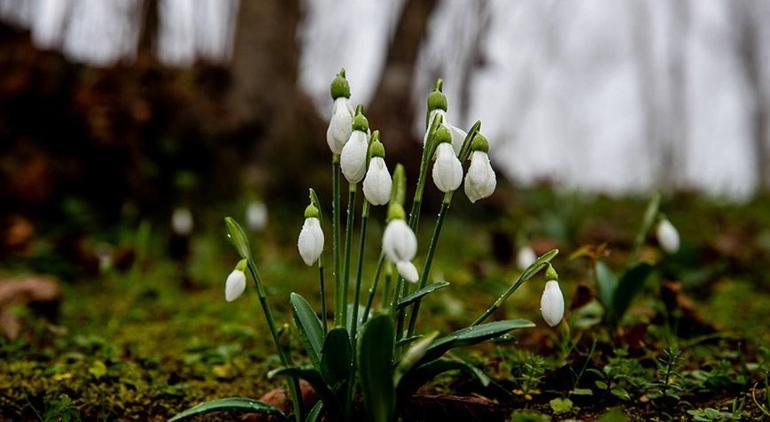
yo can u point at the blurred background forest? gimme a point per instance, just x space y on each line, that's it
116 115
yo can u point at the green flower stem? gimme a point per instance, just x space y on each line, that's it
346 266
429 259
285 360
323 295
401 292
359 272
373 288
336 237
386 288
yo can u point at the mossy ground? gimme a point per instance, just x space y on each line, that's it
137 344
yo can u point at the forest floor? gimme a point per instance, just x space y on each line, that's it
156 336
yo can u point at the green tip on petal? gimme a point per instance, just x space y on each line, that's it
550 273
376 148
340 87
480 143
360 123
311 211
396 212
242 264
443 135
437 100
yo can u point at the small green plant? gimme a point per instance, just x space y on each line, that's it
617 292
371 350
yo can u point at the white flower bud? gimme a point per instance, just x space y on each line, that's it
668 236
353 157
235 285
408 271
480 182
340 125
400 245
525 257
311 241
182 221
447 170
552 303
256 216
378 182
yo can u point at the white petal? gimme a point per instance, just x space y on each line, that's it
256 215
182 221
408 271
668 236
458 138
399 241
340 125
378 182
447 170
552 303
480 182
235 285
311 241
525 257
353 157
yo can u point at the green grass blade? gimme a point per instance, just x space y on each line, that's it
231 404
430 288
473 335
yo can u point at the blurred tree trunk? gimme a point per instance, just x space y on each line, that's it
391 109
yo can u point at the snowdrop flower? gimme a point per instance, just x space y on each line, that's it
552 300
525 257
437 106
400 244
182 221
236 282
447 170
311 238
480 182
377 183
668 236
353 157
341 122
256 215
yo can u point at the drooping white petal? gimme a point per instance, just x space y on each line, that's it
525 257
447 170
353 157
377 183
256 215
668 236
408 271
182 221
552 303
399 241
340 125
458 138
235 285
480 182
311 241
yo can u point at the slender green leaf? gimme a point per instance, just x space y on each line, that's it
232 404
360 317
238 237
309 326
473 335
430 288
408 340
422 374
336 358
375 364
607 283
630 284
315 413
